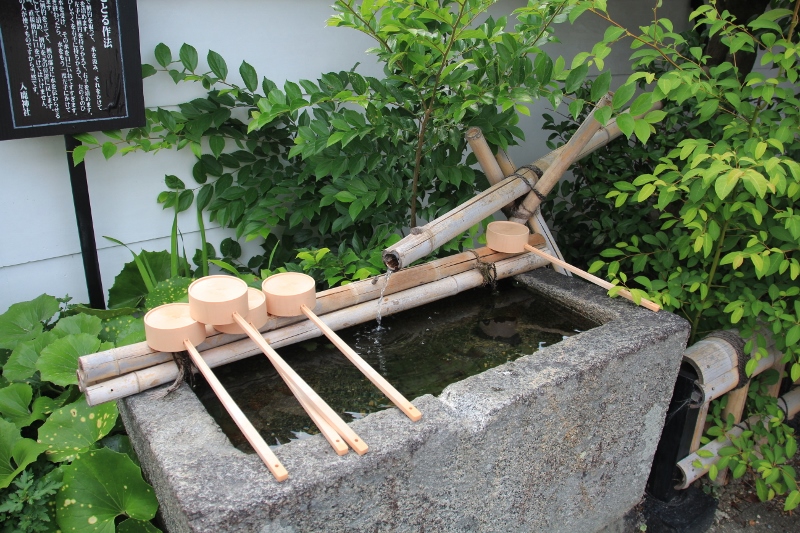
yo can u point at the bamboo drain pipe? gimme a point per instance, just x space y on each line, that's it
150 377
789 404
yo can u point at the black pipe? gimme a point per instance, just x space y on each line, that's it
83 215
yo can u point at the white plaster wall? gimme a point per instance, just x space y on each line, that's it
282 39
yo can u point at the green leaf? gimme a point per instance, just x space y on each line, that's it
80 323
217 65
188 55
642 104
15 452
129 288
109 149
163 55
622 95
642 129
148 70
23 321
72 429
600 85
21 365
217 144
78 154
169 291
625 123
15 400
59 360
98 487
174 182
249 76
575 78
792 500
793 335
131 525
345 196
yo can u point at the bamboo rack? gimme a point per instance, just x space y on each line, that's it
166 372
100 366
424 239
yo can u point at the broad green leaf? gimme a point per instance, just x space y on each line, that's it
15 401
109 149
148 70
217 144
642 130
642 104
22 363
188 55
99 486
121 444
575 78
59 360
23 321
724 184
249 76
217 65
163 54
72 429
600 85
622 95
792 500
129 289
169 291
15 452
80 323
625 123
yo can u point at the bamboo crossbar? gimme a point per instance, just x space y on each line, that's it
100 366
166 372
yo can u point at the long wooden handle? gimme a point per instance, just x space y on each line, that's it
594 279
379 381
251 433
328 414
330 434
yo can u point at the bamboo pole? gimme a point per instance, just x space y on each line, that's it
147 378
495 173
559 165
424 239
100 366
789 403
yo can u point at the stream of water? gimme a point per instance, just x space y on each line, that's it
419 351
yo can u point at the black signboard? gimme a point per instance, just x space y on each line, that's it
69 66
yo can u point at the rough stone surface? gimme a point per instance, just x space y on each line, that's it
558 441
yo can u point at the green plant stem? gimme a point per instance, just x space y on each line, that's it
203 252
711 273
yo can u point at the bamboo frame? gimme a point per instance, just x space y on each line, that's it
560 164
147 378
101 366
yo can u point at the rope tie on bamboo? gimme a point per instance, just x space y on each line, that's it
487 270
521 212
184 364
737 343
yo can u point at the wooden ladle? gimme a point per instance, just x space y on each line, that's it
512 237
170 328
257 316
294 294
223 300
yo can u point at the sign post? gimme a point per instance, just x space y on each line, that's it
68 67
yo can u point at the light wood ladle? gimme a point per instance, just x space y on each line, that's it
294 294
512 237
222 300
170 328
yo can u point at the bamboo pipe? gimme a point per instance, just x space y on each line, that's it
570 154
644 302
100 366
319 405
424 239
536 222
385 387
691 473
147 378
494 174
251 433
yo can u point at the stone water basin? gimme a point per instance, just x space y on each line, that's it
559 439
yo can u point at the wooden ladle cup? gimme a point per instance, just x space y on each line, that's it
512 237
170 328
223 300
294 294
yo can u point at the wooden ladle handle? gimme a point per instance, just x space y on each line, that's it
379 381
251 433
594 279
330 416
